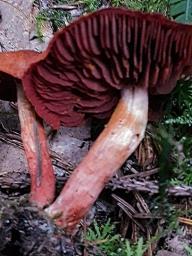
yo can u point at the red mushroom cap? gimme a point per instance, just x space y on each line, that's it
90 61
12 67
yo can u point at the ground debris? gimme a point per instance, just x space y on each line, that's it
14 29
25 230
150 187
166 253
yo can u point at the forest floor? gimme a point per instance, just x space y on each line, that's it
145 209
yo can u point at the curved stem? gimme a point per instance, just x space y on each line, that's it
115 144
35 145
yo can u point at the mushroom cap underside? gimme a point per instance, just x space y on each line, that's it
88 63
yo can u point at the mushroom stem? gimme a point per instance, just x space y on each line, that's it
35 146
115 144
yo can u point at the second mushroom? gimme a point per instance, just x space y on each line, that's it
12 67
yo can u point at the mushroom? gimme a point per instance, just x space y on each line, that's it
108 61
12 67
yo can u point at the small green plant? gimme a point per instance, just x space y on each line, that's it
188 250
112 244
160 6
179 118
132 4
137 249
174 156
57 19
156 6
179 110
104 237
91 5
183 171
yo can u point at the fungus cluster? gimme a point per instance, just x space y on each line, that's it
106 62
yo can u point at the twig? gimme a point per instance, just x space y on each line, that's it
185 221
148 186
128 209
147 216
141 201
142 174
149 249
64 7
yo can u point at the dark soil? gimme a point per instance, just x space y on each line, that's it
26 231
